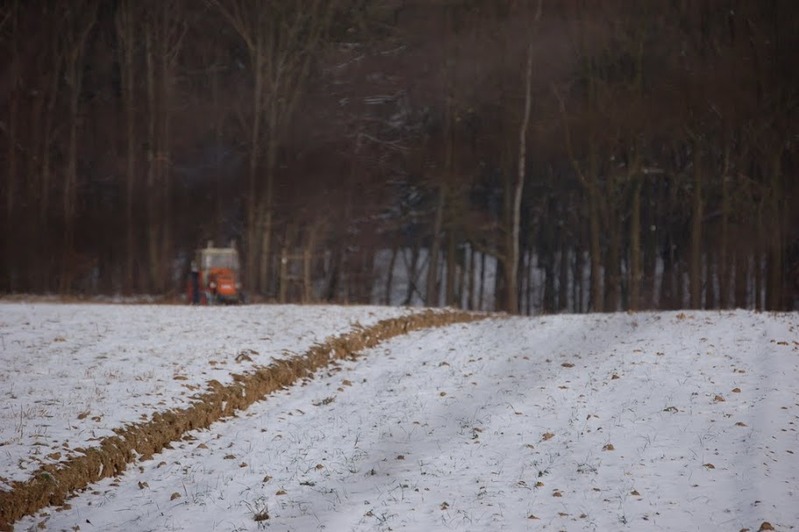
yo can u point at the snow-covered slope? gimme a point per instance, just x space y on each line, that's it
69 374
662 421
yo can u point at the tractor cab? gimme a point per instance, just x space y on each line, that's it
215 276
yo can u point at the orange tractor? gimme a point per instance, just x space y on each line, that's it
215 277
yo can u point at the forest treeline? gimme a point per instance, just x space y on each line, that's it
567 155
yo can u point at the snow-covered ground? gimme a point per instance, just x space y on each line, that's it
69 374
652 421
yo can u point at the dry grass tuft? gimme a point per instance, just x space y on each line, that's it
53 483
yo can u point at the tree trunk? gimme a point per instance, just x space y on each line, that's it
307 263
267 200
668 297
254 221
481 292
165 152
77 34
723 268
219 178
710 283
680 299
367 278
613 266
635 248
413 273
264 231
499 286
741 276
152 192
451 271
9 263
595 249
307 279
578 292
390 273
126 30
758 280
548 259
650 262
774 256
284 274
563 280
335 273
432 292
695 271
460 291
44 215
527 264
512 262
470 302
71 172
30 231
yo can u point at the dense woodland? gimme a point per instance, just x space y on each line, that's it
539 155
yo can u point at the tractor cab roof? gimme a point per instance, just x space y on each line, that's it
210 257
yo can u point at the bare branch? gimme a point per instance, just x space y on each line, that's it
568 136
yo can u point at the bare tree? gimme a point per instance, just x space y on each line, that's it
281 39
512 264
80 18
163 29
126 26
11 17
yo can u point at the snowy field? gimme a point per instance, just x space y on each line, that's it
72 373
652 421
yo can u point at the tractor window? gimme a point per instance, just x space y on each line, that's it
220 260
